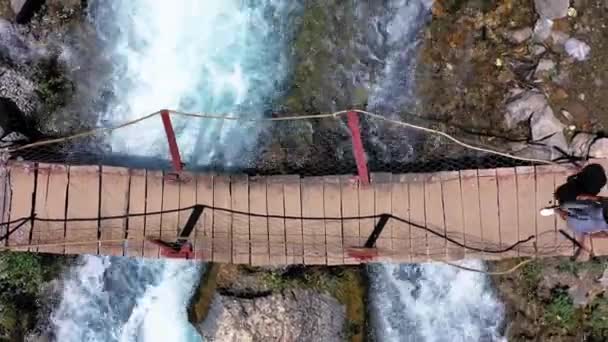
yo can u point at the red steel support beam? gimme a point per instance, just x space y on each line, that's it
355 132
173 149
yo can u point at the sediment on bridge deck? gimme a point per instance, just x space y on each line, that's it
284 219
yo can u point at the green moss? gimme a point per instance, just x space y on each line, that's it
22 276
202 298
596 322
531 275
322 45
560 312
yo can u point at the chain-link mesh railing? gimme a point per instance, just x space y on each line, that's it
306 145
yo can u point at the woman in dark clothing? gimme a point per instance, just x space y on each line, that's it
585 212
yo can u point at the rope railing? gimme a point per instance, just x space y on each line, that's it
319 116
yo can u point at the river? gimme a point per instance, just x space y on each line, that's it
234 57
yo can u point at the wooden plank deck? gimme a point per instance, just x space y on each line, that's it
312 220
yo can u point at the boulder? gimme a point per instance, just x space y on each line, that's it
552 9
544 126
294 315
599 148
25 9
589 145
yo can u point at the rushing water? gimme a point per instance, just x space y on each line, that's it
126 300
215 57
233 56
433 303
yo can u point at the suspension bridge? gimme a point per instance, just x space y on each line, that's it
286 219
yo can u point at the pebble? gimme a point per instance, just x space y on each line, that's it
577 49
542 29
521 35
544 67
552 9
537 50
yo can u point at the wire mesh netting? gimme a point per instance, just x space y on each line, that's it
310 146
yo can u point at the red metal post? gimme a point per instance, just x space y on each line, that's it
173 149
355 132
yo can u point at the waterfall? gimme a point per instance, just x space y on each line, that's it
232 57
214 57
127 300
433 303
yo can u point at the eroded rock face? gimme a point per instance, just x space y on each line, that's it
294 315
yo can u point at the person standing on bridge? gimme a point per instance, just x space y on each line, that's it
585 213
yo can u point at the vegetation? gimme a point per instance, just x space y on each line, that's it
540 305
22 278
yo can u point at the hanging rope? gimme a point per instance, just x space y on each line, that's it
285 118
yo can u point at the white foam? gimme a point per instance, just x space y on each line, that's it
96 305
215 57
433 303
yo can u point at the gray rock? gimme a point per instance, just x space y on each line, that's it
537 50
552 9
19 89
520 36
589 145
295 315
581 144
545 127
599 148
542 30
545 66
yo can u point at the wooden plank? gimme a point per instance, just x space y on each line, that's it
471 213
566 246
454 217
239 189
545 188
293 227
383 205
260 254
332 201
114 202
22 189
526 207
169 219
507 207
600 245
367 207
204 228
420 251
350 208
42 184
400 199
154 205
490 223
83 202
222 220
434 217
187 198
52 205
4 198
315 252
276 226
137 205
